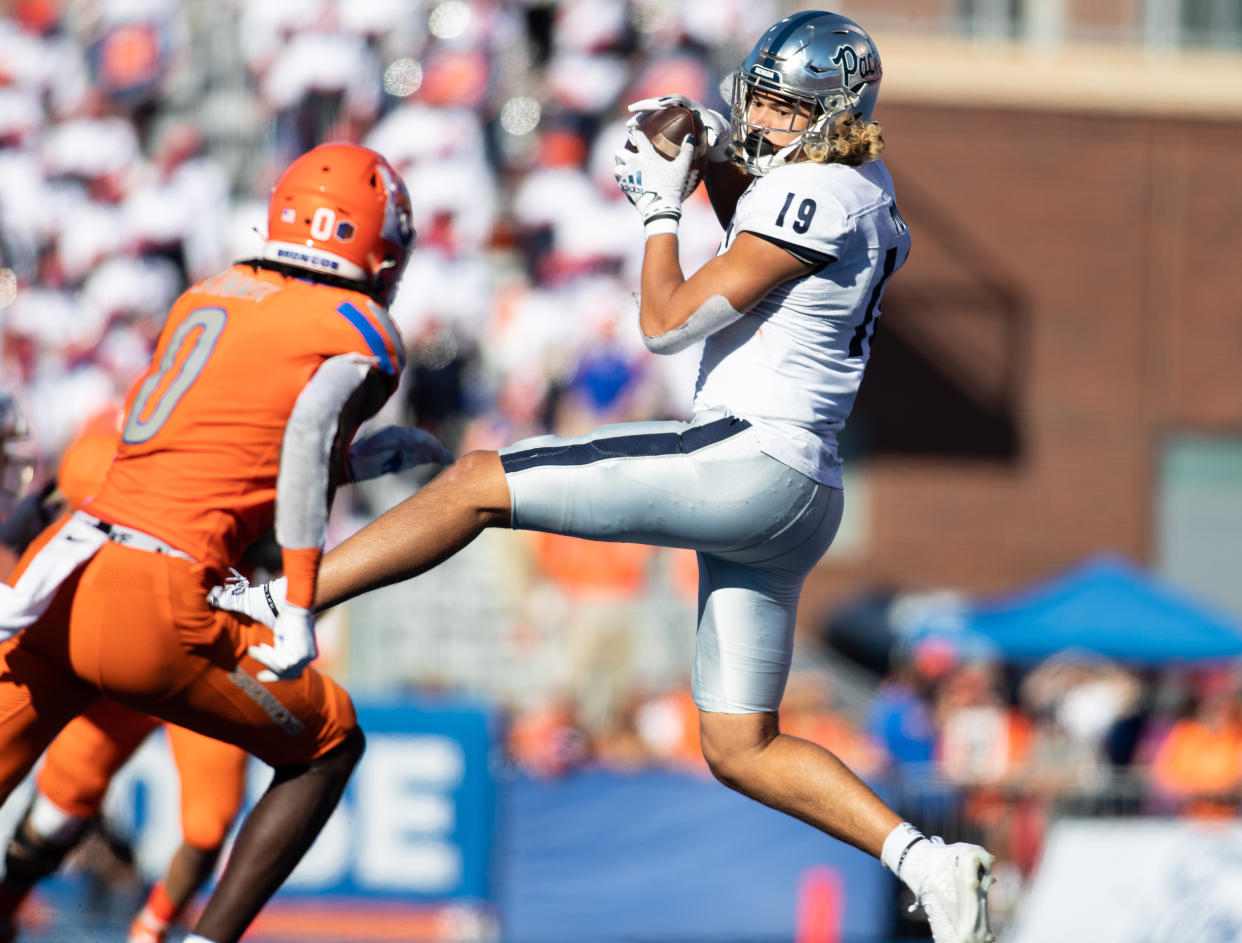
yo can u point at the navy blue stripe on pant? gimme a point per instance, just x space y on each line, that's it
623 446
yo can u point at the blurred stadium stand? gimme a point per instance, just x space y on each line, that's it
1055 374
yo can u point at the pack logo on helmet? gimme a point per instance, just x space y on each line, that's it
823 64
855 67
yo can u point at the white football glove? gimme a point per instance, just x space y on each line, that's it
293 647
262 603
394 449
716 124
654 185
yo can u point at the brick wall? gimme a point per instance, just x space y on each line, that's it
1075 283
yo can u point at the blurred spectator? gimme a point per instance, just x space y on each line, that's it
1198 765
174 209
620 745
600 583
321 86
1073 701
983 740
588 68
1076 702
984 746
807 711
547 741
132 48
899 717
668 724
38 56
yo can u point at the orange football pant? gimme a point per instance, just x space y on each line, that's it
135 626
87 754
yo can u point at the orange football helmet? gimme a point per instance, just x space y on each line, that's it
341 209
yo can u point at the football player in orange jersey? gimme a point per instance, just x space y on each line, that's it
260 378
80 763
84 757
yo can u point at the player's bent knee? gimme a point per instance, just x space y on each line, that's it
479 477
727 765
346 754
205 842
339 762
731 743
205 832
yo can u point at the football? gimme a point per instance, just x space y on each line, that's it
666 129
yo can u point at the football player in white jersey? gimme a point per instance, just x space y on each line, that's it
787 310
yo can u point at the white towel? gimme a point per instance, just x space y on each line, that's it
22 604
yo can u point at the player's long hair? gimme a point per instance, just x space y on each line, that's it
851 142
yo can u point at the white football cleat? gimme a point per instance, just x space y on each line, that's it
955 895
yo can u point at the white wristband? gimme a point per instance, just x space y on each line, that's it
660 225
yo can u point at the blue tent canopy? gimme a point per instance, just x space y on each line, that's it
1108 606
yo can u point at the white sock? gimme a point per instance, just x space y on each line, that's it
907 852
53 824
196 939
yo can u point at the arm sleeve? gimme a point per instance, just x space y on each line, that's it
302 484
710 317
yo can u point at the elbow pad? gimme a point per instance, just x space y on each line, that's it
712 315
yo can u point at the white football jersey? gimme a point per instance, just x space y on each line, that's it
793 363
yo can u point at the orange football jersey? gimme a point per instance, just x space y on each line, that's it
201 442
85 463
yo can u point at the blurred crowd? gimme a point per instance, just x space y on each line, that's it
960 743
134 161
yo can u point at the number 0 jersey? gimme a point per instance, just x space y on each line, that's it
793 363
201 444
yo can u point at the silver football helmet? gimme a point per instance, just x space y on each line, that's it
825 63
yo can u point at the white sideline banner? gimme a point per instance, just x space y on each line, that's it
1135 881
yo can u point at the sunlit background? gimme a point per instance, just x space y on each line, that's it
1029 630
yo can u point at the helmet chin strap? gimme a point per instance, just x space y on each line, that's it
766 154
759 145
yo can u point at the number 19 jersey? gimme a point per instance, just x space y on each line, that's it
792 365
